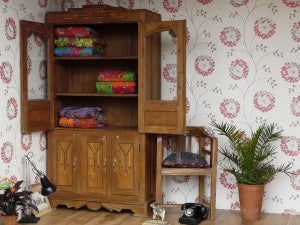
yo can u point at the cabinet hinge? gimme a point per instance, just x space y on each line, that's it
139 147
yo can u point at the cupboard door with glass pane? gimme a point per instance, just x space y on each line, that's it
162 107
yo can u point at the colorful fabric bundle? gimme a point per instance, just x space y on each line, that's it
81 122
76 51
79 42
84 117
80 112
116 76
75 32
116 87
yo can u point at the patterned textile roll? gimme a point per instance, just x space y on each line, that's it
116 76
80 112
79 42
75 51
116 87
81 122
75 32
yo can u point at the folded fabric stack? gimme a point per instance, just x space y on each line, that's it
77 41
116 82
83 117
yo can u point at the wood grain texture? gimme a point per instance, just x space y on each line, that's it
85 217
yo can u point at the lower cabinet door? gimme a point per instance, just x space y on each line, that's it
125 165
62 161
93 163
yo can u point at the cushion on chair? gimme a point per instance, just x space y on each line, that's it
186 160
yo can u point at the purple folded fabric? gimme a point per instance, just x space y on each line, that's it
80 112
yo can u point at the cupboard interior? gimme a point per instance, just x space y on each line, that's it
119 111
121 38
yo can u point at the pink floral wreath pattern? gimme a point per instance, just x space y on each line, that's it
227 181
290 145
295 180
29 65
264 101
204 65
43 3
7 151
295 106
43 70
65 6
6 1
172 6
169 72
6 72
26 141
295 32
11 108
230 36
235 206
181 179
43 141
187 105
291 72
229 108
238 3
127 4
291 3
10 29
205 2
169 142
91 2
238 69
187 35
264 27
38 40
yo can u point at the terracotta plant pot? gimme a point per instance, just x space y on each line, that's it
9 220
251 197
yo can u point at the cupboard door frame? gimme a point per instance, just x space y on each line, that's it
53 160
85 138
119 163
36 115
159 116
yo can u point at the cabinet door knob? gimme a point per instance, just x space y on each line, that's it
114 164
74 163
104 163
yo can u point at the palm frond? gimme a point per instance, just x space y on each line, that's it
252 162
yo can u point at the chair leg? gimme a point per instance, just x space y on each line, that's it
158 185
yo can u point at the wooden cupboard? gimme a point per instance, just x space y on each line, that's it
111 167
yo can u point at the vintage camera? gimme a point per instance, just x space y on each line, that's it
194 213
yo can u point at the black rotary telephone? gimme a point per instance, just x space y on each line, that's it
194 213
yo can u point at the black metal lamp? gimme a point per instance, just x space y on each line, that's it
47 189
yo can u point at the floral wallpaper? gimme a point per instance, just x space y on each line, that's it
13 144
243 66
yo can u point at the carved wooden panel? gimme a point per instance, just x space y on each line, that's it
64 156
125 165
93 163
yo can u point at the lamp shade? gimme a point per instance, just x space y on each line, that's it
47 187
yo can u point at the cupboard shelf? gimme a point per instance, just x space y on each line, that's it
94 95
108 128
69 58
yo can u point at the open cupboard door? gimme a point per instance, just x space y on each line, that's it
36 92
161 77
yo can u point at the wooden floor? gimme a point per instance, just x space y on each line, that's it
63 216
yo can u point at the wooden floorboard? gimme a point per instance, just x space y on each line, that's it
64 216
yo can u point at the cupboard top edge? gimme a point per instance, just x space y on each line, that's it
101 14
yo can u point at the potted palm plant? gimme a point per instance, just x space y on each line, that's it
251 163
12 200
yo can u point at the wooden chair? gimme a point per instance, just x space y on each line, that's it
197 132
